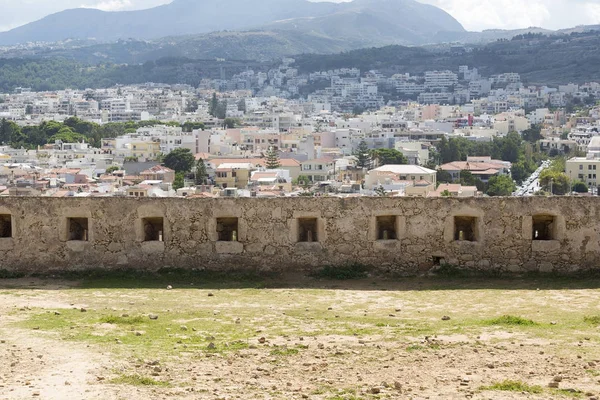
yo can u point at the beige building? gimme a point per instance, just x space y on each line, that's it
584 169
159 173
234 175
378 176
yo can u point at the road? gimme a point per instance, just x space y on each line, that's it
532 185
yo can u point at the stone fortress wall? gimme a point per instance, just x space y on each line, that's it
401 235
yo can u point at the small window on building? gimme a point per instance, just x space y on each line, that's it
307 230
544 227
78 229
386 228
580 167
227 229
153 229
5 226
465 229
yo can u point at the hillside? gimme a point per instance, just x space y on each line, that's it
57 73
250 45
408 20
539 59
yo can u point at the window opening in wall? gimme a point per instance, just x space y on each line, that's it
437 261
153 229
543 227
386 228
227 228
78 229
307 230
465 229
5 226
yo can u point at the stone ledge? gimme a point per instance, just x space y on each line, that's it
7 244
153 247
540 246
78 246
229 247
308 246
387 245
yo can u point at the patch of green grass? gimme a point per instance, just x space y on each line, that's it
342 272
513 386
575 394
144 336
138 380
510 320
232 346
593 372
282 351
112 319
6 274
418 347
450 271
345 394
592 319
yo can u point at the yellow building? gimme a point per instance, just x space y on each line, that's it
127 146
234 175
584 169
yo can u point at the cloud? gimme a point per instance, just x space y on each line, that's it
111 5
512 14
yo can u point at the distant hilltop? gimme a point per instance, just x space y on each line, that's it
371 22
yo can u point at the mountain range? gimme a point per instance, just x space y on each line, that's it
366 22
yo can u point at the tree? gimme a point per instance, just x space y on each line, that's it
519 172
555 182
272 159
388 157
580 187
446 193
9 132
201 174
66 135
380 191
191 126
501 185
358 110
467 179
363 159
533 134
112 169
230 123
221 109
443 176
192 106
242 105
303 181
508 148
214 105
179 181
180 160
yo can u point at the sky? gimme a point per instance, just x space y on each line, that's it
475 15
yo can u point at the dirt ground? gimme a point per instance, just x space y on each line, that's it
300 339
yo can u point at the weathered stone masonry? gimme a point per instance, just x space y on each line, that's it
406 235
